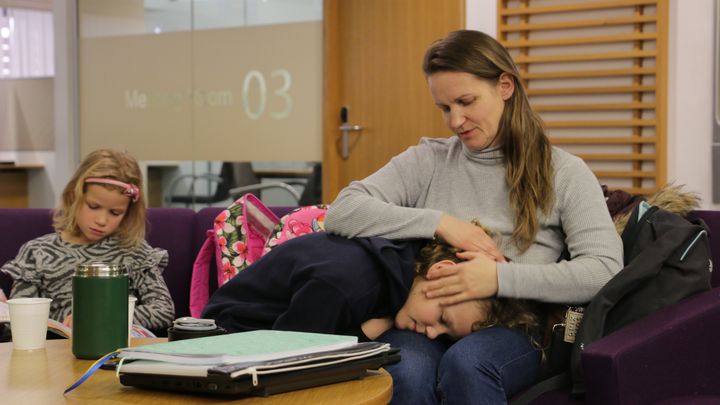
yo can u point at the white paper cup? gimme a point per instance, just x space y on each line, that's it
28 322
131 313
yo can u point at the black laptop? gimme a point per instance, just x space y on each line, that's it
266 378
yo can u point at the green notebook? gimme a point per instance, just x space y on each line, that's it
259 345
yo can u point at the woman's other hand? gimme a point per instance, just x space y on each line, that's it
372 328
3 298
475 278
467 236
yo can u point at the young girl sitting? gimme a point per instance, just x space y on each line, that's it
363 286
101 218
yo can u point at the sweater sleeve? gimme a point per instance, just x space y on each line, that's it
22 270
386 202
154 308
593 243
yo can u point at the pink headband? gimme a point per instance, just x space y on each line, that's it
129 190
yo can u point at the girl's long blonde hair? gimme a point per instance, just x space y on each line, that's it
111 164
526 148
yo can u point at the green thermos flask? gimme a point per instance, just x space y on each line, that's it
99 310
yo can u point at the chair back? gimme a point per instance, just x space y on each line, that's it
234 174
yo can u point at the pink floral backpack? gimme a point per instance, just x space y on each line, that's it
241 234
297 222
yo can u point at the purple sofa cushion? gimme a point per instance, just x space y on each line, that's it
172 229
20 225
180 231
203 222
656 357
168 228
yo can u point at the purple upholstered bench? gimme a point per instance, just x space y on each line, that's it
180 231
670 356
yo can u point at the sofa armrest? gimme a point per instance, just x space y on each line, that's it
671 353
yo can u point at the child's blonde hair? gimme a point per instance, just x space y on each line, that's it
110 164
506 312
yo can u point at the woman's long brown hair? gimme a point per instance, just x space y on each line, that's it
526 148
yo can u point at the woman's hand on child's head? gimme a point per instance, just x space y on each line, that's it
466 236
473 279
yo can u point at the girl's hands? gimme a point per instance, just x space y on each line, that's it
473 279
68 321
468 237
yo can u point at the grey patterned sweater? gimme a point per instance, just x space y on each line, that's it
406 197
44 267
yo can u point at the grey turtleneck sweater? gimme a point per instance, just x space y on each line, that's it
405 199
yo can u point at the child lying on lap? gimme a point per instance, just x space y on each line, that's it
427 316
329 284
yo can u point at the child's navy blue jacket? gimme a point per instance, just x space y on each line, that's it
318 283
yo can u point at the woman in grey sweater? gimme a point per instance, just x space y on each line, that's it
499 168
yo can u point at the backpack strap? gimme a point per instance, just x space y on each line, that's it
241 231
199 283
258 222
550 384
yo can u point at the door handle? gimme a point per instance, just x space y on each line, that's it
346 128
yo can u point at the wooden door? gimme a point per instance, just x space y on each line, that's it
373 53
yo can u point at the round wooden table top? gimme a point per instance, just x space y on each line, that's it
41 376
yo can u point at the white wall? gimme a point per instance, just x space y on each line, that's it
481 15
690 83
45 186
690 93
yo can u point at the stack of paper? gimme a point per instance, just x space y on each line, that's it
252 346
245 362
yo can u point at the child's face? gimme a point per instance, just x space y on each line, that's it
101 213
428 317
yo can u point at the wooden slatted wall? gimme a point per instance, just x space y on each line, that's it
596 71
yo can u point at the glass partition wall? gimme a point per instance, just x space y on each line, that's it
26 81
209 95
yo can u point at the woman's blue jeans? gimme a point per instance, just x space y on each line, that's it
486 367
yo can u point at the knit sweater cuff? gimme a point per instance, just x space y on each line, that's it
431 221
508 280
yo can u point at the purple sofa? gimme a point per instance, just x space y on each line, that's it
180 231
670 356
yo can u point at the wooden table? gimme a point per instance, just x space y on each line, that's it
41 376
